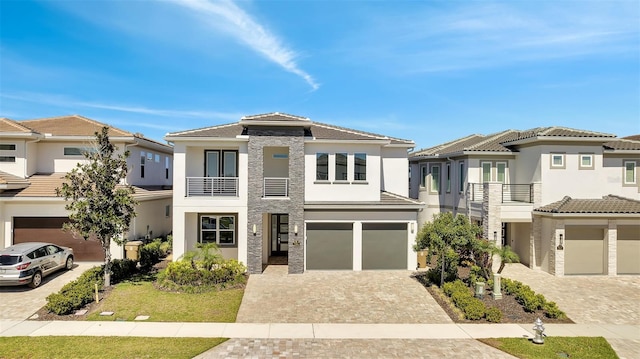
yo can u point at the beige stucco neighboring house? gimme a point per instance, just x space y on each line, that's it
566 200
36 154
279 187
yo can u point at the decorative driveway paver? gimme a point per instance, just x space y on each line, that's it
19 303
337 297
347 348
585 299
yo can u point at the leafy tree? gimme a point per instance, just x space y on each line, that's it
100 206
447 237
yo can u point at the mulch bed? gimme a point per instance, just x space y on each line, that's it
512 311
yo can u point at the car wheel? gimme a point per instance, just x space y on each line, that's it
36 280
69 263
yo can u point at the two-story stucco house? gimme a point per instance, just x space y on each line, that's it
36 154
312 195
566 200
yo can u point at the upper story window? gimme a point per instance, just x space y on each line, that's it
501 172
322 166
7 158
557 160
166 167
486 171
435 178
150 156
360 167
78 151
218 229
423 176
341 166
586 161
630 172
142 163
461 176
7 146
157 158
448 177
221 163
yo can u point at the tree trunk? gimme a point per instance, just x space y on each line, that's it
107 265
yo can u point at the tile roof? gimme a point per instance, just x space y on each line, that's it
623 144
73 125
8 125
7 178
317 130
387 200
610 204
632 137
557 131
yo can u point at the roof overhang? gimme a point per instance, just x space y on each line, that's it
276 123
586 215
384 142
362 206
621 152
240 138
22 135
528 140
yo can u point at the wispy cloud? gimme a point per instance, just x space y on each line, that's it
227 16
64 101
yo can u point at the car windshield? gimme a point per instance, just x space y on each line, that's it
9 260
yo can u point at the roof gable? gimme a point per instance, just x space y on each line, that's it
73 125
8 125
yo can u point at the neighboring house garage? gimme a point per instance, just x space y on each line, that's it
49 229
588 236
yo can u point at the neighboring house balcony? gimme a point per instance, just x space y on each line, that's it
212 187
276 187
506 202
509 193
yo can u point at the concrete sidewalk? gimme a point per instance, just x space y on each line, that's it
310 331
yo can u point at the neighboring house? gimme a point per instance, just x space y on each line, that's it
567 201
281 187
35 155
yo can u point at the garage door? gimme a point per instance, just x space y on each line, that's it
584 250
628 250
49 229
329 246
384 246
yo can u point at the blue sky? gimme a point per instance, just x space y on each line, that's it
430 71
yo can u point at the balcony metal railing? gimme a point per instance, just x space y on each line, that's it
212 186
510 192
276 187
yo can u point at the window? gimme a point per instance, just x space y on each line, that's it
486 171
219 229
557 160
166 167
142 162
461 177
360 167
221 163
78 151
423 176
7 158
586 161
501 172
157 158
167 211
7 147
435 178
150 156
341 166
280 156
629 172
322 166
448 177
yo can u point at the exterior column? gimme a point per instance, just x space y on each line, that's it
612 248
556 252
491 223
535 241
357 245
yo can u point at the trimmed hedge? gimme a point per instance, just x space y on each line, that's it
472 307
191 276
529 300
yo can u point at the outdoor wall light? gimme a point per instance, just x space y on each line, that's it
255 230
560 246
295 229
413 227
495 236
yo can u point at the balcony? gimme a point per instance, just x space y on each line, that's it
212 186
510 192
276 187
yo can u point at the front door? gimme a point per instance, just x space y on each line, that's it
279 234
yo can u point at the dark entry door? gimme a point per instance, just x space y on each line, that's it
279 234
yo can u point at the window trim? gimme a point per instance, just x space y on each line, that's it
424 172
431 179
356 165
624 173
7 159
562 157
461 179
318 155
217 230
482 163
221 162
505 179
346 167
583 167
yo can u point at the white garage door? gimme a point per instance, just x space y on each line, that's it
628 250
384 246
329 246
584 250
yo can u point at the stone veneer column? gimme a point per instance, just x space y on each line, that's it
612 248
293 138
556 256
491 202
535 241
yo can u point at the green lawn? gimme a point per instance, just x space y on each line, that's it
555 347
131 299
104 347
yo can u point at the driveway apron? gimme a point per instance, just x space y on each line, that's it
337 297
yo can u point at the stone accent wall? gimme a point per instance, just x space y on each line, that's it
293 138
612 248
556 256
491 205
535 243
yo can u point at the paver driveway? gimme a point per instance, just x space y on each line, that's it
18 303
586 299
337 297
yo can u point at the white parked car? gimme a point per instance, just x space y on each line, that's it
28 263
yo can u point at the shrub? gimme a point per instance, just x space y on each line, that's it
551 310
474 309
493 315
122 269
75 294
150 254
